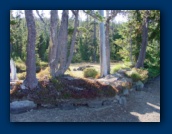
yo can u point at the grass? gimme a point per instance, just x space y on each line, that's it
45 70
120 66
90 72
138 74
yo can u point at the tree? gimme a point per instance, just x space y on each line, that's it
59 49
31 80
53 57
142 54
103 63
107 32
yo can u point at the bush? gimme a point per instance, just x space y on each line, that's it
20 66
138 74
118 67
90 72
21 76
153 72
44 72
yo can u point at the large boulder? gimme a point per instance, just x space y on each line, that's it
21 106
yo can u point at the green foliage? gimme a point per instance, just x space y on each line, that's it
76 58
120 66
153 72
21 76
90 72
138 74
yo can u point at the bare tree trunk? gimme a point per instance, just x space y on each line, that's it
62 42
53 58
141 58
31 80
94 41
103 63
131 58
76 13
107 42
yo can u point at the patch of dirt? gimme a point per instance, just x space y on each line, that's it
142 106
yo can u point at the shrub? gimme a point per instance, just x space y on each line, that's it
90 72
21 76
118 67
20 66
153 72
138 74
44 72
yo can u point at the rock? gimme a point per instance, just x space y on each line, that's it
122 101
22 86
125 92
117 97
94 104
118 75
106 102
74 69
109 76
48 106
132 89
66 106
21 106
139 85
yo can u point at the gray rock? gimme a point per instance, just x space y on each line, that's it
132 89
106 102
94 104
21 106
123 101
125 92
66 106
118 75
139 85
117 97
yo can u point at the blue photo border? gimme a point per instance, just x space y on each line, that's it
166 89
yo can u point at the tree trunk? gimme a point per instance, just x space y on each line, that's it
72 46
30 81
53 54
107 42
103 63
62 42
94 41
131 58
141 58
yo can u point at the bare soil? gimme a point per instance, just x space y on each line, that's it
142 106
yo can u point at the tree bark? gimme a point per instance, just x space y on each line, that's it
94 41
141 58
103 63
53 54
107 42
31 80
62 42
72 46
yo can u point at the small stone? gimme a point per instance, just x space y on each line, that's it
115 101
131 90
139 85
125 92
22 86
66 106
123 101
106 102
117 97
94 104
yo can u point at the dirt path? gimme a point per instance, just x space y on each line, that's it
142 106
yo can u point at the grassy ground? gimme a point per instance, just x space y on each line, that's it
45 69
